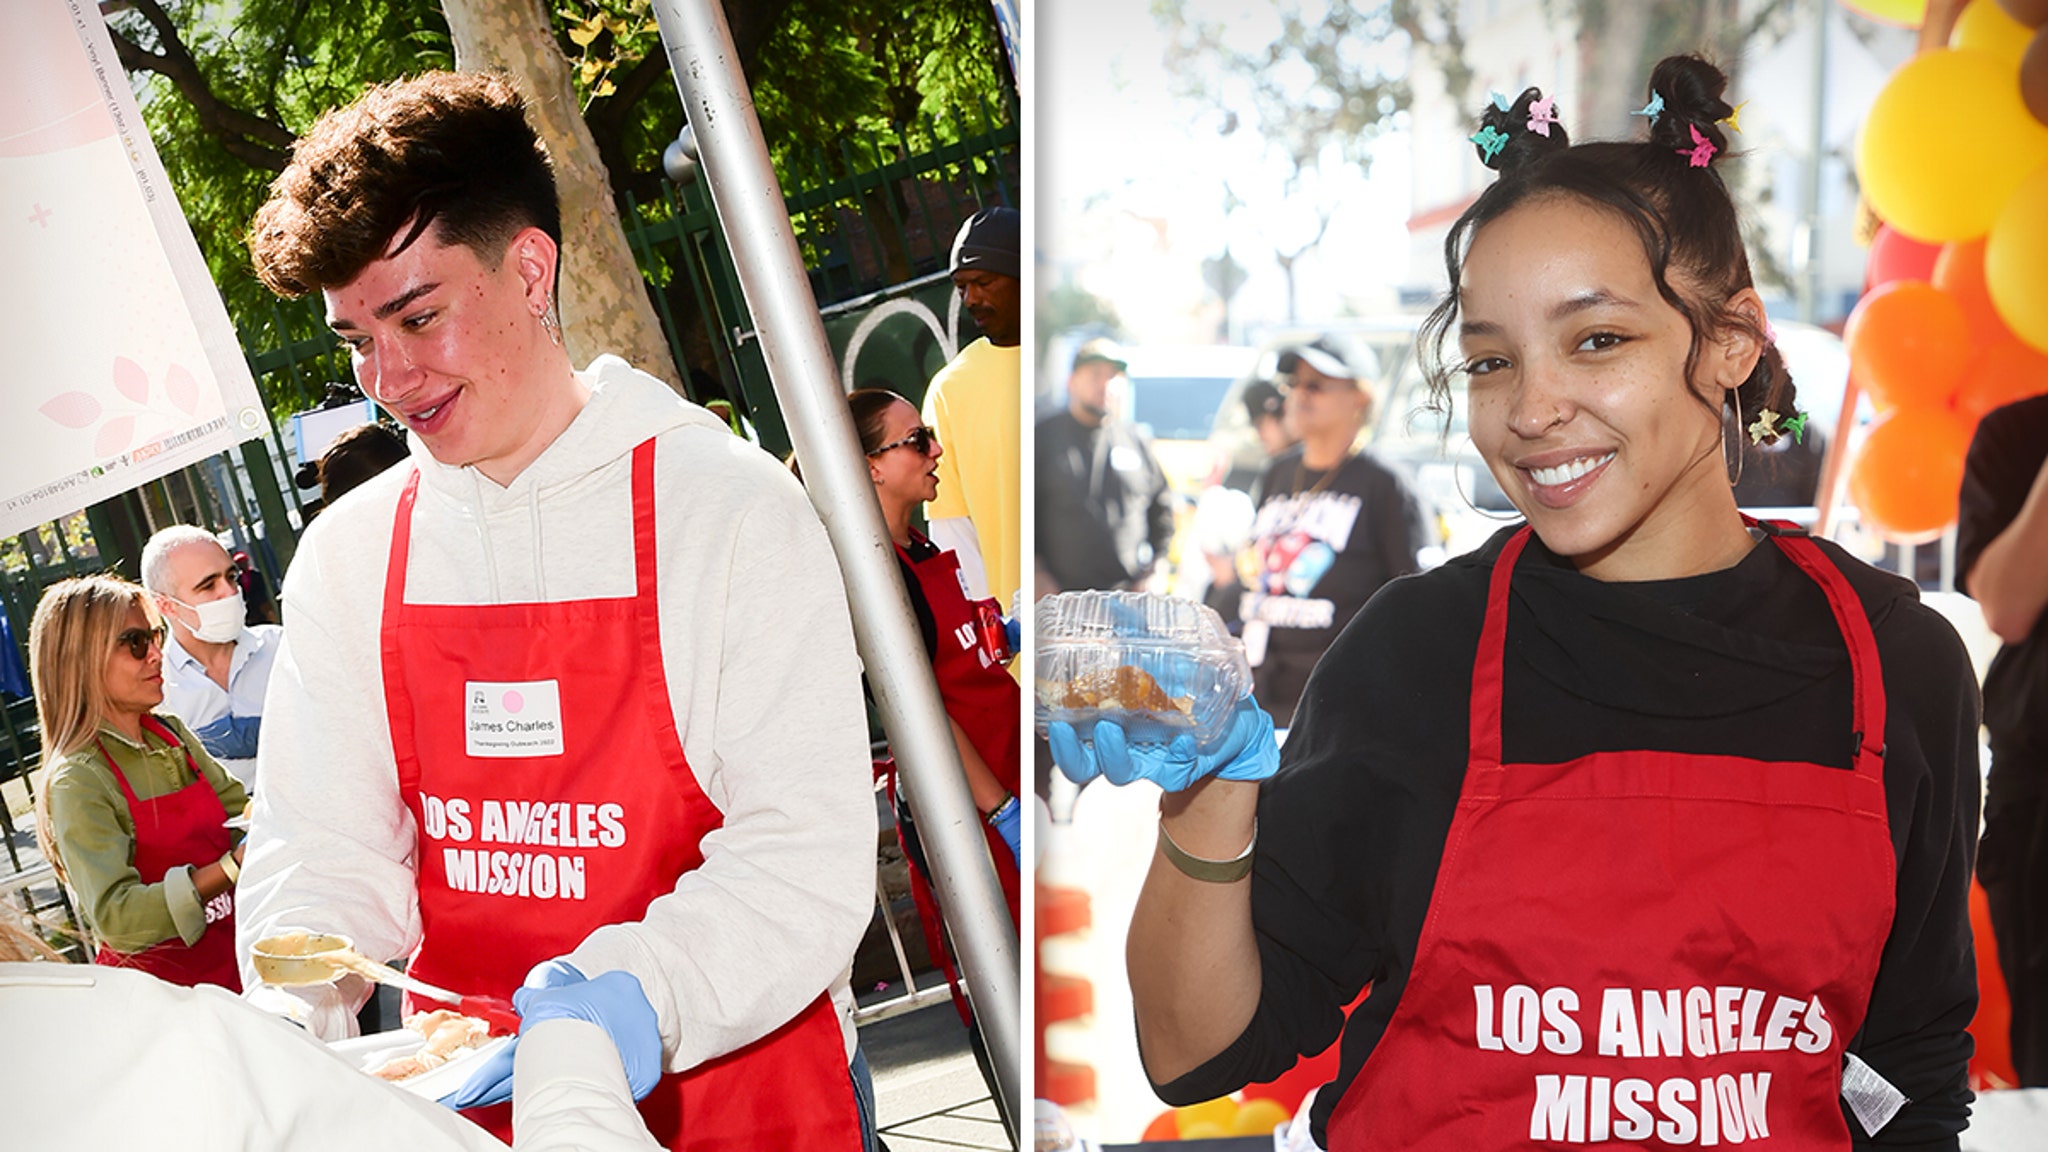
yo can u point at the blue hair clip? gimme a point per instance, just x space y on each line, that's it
1501 101
1653 109
1490 141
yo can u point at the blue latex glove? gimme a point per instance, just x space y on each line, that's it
1247 751
491 1083
1009 824
613 1001
1013 633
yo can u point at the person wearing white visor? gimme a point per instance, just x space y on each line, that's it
216 668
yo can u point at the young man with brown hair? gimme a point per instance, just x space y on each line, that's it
568 708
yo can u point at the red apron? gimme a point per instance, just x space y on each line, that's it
978 693
1643 948
188 826
523 852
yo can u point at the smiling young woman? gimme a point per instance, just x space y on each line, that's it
1643 823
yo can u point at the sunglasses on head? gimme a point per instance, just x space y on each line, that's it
139 641
920 438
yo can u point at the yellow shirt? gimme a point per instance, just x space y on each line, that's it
974 404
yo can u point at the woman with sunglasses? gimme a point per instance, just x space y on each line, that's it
980 697
1334 524
1645 824
132 811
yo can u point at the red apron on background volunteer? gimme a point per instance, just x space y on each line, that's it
188 826
1644 948
978 693
537 748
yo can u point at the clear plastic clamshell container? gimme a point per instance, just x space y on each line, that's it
1159 666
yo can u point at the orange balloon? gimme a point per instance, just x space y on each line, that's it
1165 1126
2007 371
1909 473
1959 271
1909 343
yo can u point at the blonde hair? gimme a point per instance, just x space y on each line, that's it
70 641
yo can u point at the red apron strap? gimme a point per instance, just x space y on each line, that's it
120 778
398 702
163 733
1867 683
401 544
1487 666
644 556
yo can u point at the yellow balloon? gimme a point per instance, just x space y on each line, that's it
1216 1113
1946 143
2016 262
1203 1130
1987 26
1258 1118
1904 13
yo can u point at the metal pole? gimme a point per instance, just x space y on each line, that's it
750 205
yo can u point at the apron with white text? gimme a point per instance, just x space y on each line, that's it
187 826
537 749
1640 948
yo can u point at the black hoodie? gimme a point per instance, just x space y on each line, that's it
1746 661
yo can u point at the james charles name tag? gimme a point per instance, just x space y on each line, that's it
513 719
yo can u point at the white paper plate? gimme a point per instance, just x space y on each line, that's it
374 1051
239 823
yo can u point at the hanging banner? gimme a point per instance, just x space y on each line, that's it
123 366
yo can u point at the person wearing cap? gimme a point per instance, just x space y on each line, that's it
972 405
1334 524
1265 406
1105 515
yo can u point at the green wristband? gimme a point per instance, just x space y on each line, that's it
1208 871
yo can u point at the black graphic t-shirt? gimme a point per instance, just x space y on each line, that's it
1323 543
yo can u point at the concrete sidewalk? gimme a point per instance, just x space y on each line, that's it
929 1092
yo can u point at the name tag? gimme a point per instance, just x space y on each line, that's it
1125 458
513 719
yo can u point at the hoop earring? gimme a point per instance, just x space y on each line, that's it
1731 437
552 325
1458 482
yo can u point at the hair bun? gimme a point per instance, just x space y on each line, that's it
1691 89
1528 128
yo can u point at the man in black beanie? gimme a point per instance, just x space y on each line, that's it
973 404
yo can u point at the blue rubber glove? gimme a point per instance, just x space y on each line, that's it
491 1083
1247 751
613 1001
1013 634
1008 822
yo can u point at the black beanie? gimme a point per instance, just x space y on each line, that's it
989 240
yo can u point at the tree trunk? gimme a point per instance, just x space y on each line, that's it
604 299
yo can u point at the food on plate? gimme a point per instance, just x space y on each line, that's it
1123 688
444 1032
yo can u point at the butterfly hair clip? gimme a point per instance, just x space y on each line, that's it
1542 114
1702 150
1490 140
1653 109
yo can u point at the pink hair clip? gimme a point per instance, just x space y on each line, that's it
1542 114
1702 149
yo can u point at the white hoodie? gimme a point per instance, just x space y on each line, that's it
758 648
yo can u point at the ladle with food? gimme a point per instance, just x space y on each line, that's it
296 959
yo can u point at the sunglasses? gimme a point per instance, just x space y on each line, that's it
921 439
139 641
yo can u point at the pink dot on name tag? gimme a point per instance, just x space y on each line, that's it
513 701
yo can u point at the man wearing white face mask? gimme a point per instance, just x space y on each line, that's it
216 668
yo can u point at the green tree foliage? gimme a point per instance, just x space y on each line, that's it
226 85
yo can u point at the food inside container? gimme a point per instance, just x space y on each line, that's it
433 1055
1160 667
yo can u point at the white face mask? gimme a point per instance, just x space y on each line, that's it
219 620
